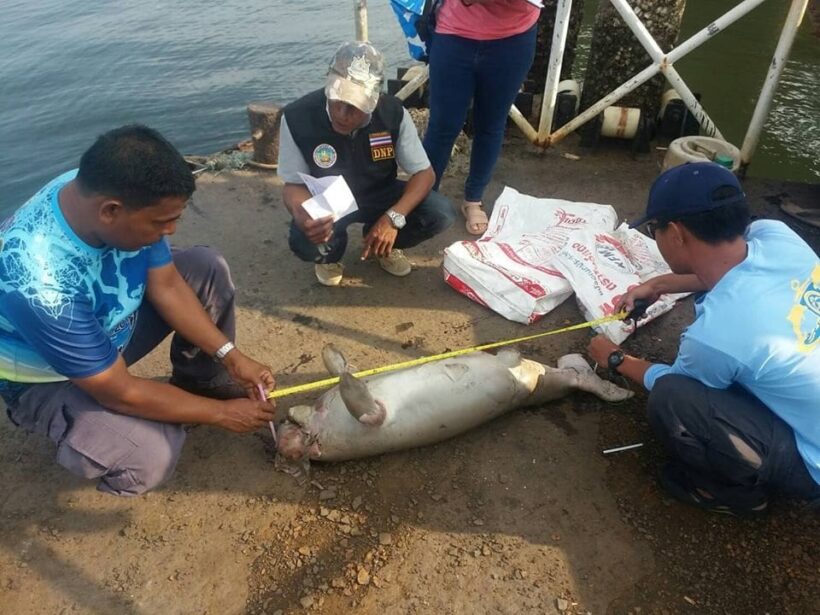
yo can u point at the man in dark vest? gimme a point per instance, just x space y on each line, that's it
350 129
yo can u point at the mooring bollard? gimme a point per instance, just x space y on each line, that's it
264 119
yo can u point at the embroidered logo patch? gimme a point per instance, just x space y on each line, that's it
381 146
324 156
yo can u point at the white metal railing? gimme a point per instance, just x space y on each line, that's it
661 63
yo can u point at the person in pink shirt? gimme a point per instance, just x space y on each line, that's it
480 52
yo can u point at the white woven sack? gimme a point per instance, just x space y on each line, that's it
505 280
510 268
515 215
602 267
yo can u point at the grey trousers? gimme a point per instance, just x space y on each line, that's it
130 455
728 442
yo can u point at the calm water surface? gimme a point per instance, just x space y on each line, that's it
71 69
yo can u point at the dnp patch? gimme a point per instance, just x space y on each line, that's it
325 156
381 146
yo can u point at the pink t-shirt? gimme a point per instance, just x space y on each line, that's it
486 22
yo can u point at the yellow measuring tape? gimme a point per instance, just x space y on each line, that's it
320 384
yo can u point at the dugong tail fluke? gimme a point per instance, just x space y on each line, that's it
355 395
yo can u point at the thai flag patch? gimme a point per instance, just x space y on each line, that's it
381 146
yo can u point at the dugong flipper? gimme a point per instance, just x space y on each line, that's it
335 362
355 395
590 382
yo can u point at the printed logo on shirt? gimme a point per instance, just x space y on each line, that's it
381 146
805 314
324 156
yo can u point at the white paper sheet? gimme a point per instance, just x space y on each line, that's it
331 197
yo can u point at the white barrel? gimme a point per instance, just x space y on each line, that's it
695 148
620 122
572 87
668 96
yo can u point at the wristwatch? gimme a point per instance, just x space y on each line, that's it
223 351
396 219
616 357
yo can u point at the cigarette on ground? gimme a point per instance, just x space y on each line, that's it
622 448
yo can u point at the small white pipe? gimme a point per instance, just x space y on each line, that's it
414 84
360 17
559 40
622 448
764 102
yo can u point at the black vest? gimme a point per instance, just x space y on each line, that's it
366 159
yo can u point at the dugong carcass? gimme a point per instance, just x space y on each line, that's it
426 404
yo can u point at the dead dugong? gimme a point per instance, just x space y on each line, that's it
428 403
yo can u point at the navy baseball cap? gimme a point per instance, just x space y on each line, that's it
691 188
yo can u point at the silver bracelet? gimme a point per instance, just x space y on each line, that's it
220 354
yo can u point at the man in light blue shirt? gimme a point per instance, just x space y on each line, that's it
739 409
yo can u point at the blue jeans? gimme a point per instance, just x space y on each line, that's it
430 217
490 74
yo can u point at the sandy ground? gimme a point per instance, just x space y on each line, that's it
523 515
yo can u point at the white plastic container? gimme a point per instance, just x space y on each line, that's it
695 148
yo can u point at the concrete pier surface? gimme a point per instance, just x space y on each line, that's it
523 515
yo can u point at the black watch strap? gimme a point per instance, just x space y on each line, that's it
616 357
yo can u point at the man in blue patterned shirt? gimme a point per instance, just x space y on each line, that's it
88 286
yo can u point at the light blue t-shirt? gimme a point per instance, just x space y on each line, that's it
759 327
66 308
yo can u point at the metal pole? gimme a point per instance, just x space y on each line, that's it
764 102
664 63
523 124
360 17
614 96
559 41
713 29
688 97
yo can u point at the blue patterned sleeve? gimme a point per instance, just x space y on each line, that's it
66 336
159 253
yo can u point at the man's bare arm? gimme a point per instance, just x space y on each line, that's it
116 389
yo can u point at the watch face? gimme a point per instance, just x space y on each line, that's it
397 219
616 358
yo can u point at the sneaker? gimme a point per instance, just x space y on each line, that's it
222 388
396 263
678 484
329 274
